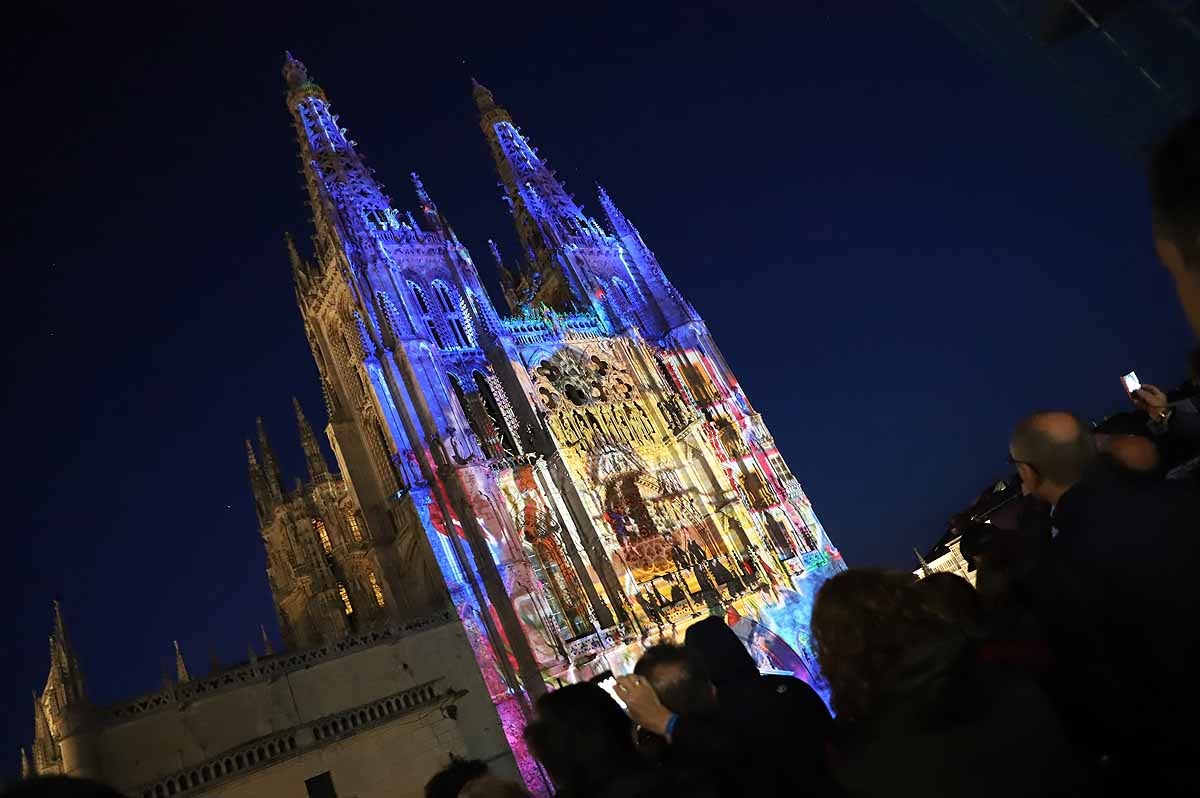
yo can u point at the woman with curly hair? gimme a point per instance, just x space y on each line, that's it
916 714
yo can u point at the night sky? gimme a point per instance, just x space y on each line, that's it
899 251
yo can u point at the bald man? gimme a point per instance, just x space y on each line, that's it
1115 595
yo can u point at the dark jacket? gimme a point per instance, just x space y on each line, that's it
948 728
768 735
1115 596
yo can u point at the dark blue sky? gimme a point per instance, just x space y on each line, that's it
898 250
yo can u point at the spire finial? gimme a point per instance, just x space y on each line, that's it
271 473
317 467
294 72
293 253
26 771
422 194
268 649
250 456
181 671
484 100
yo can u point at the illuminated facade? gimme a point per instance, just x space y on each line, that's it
576 475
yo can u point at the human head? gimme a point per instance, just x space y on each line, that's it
868 624
450 780
491 787
1175 202
581 736
679 679
60 787
1136 454
952 597
718 649
1051 451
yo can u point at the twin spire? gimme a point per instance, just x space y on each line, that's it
266 476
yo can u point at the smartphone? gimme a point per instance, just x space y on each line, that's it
1130 381
608 683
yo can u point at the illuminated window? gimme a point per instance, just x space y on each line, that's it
376 588
323 534
355 530
427 315
345 599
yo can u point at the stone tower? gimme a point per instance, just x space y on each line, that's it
331 574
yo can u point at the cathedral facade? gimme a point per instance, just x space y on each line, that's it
521 498
576 474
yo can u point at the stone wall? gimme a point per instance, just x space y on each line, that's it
380 712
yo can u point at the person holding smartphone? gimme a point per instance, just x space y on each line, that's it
1175 424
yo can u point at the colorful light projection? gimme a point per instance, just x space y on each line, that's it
695 517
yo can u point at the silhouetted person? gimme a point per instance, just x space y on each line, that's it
761 731
1121 635
954 597
584 740
59 787
1175 204
450 780
586 743
916 714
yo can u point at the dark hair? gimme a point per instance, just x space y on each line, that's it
952 597
450 780
60 787
1061 461
582 737
722 654
1175 187
678 677
865 623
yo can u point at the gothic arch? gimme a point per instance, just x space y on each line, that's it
427 312
453 313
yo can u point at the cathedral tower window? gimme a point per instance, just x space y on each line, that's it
346 605
323 534
451 312
427 315
375 588
493 410
355 529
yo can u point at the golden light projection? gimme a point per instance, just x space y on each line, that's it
349 608
375 588
323 534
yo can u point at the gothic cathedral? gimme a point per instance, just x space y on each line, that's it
575 476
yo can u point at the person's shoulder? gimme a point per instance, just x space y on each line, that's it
790 691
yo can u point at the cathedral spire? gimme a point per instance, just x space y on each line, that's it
300 270
318 469
295 74
258 485
45 749
272 477
349 207
546 216
181 669
26 770
65 676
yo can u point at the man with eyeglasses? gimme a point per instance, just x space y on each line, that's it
1114 595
